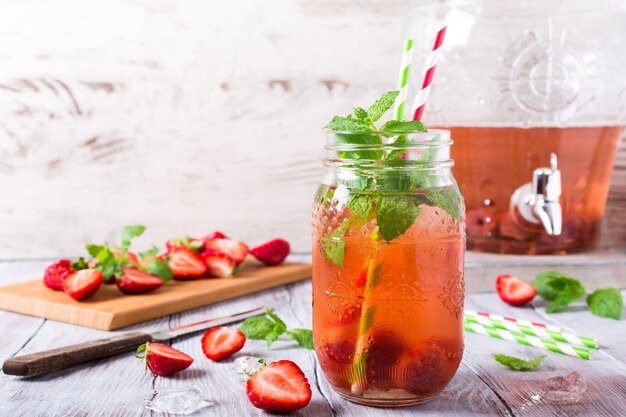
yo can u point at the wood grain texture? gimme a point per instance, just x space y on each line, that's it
119 386
109 309
184 116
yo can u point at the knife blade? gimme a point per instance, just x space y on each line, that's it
60 358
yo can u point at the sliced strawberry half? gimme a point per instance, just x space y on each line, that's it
82 284
164 360
135 281
273 252
196 245
279 387
236 250
220 342
56 273
219 264
515 291
185 263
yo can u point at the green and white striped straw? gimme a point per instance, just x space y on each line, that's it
544 331
528 340
403 80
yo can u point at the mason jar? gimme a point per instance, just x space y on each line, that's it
388 249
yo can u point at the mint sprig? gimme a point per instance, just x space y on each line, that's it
559 288
518 364
270 327
606 302
111 259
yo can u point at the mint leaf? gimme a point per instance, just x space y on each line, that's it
279 328
396 127
304 337
395 214
153 251
559 288
344 124
129 233
447 199
606 302
360 205
381 105
160 269
94 250
257 327
518 364
360 113
334 245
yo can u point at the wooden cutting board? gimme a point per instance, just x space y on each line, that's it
109 309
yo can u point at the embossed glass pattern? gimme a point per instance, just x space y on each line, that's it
387 315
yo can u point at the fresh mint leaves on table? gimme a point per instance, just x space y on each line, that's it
111 259
559 288
606 302
518 364
270 327
394 209
562 289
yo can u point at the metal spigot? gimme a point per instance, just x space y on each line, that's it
539 203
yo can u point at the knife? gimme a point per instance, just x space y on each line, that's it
50 360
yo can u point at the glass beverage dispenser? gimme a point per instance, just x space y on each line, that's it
534 93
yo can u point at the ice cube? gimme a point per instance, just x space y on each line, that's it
183 401
564 390
247 365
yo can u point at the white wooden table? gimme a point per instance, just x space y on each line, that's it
119 386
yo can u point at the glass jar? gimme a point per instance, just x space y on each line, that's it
519 81
388 249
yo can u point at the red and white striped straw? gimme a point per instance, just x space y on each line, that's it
427 74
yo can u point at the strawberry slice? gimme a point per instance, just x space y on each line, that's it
164 360
82 284
219 265
234 249
220 342
56 273
515 291
273 252
196 245
185 263
135 281
279 387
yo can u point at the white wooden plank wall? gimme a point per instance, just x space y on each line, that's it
182 115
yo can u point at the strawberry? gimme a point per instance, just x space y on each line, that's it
514 291
196 245
279 387
220 342
56 273
273 252
215 235
185 263
236 250
135 281
82 284
164 360
219 265
422 371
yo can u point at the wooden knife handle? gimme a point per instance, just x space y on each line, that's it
50 360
